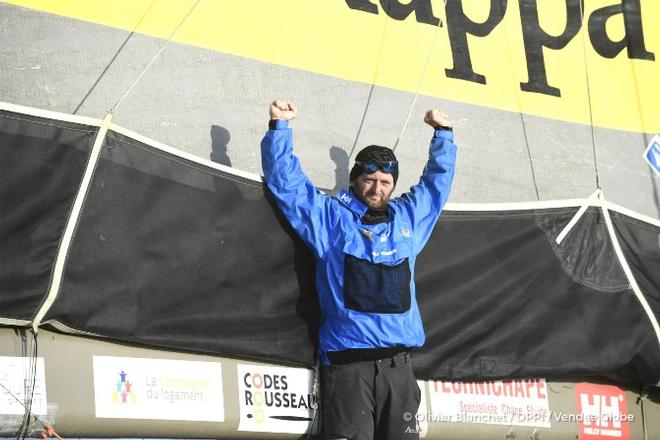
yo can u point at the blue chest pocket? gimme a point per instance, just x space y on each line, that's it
376 288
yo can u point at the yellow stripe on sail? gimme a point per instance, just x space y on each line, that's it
332 38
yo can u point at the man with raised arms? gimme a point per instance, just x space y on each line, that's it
365 244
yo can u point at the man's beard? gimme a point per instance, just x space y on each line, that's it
381 203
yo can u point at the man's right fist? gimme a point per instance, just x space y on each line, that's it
281 109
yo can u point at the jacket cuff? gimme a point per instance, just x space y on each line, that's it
278 124
443 133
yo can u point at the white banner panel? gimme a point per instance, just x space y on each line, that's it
162 389
276 399
507 402
15 383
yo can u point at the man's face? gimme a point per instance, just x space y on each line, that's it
374 190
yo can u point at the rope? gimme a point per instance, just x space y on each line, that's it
48 431
640 112
12 395
112 60
420 82
522 118
371 91
529 154
23 429
591 118
153 60
316 399
643 395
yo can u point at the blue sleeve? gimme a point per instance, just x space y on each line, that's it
424 202
310 212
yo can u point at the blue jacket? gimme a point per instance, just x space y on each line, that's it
364 273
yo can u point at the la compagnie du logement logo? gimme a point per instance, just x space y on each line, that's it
123 392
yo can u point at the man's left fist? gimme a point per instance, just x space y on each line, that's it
436 119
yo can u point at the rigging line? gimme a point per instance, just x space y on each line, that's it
643 396
529 155
15 397
644 134
24 348
586 74
29 392
155 57
520 113
12 395
112 60
638 100
421 80
314 424
371 90
32 383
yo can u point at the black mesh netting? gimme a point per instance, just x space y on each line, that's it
171 253
178 255
42 162
500 299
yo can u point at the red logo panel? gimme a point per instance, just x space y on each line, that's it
603 412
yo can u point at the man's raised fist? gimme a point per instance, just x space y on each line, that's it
436 119
281 109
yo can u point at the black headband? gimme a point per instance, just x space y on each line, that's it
375 153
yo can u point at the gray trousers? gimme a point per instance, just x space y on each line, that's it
370 400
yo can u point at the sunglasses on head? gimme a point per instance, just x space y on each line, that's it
371 166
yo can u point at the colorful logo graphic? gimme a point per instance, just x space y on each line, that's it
123 392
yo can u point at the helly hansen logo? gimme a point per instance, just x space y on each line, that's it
345 198
604 412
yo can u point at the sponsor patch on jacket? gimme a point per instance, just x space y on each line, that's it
384 253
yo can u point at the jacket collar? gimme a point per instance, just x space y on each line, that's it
347 197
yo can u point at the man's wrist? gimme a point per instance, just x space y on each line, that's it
443 133
278 124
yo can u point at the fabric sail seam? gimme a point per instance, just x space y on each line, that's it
578 215
72 223
628 272
174 160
